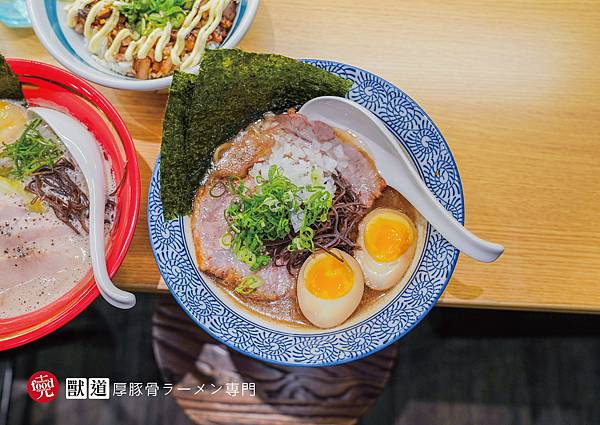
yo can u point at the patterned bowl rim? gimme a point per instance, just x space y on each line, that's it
429 237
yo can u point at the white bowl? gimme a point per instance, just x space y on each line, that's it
48 18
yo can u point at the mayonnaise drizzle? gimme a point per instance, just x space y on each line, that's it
91 17
147 45
140 47
113 50
213 21
73 10
100 36
162 42
132 48
188 25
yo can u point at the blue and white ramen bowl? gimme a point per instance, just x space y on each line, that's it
370 329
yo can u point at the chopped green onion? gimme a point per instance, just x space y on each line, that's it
30 151
264 215
147 15
226 240
249 284
222 192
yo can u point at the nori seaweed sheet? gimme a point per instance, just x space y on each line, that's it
175 165
10 87
232 89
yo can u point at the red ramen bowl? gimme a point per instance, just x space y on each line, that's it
52 87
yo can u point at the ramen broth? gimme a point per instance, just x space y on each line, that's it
286 309
41 257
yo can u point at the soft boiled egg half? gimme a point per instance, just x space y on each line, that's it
387 241
329 289
12 121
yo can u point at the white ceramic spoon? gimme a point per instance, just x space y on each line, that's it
84 149
397 170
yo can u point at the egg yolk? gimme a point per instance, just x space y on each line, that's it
12 121
388 236
328 278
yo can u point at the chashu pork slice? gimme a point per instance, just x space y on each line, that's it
208 226
34 248
353 163
236 158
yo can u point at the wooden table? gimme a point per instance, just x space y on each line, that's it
513 86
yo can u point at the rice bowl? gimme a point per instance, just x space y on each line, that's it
49 21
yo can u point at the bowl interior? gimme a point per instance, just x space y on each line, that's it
365 333
49 86
68 47
358 316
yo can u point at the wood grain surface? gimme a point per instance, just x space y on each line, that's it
514 86
283 395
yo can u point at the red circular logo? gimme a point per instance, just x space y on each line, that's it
42 386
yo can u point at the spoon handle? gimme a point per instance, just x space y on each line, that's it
407 181
84 149
395 167
112 294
